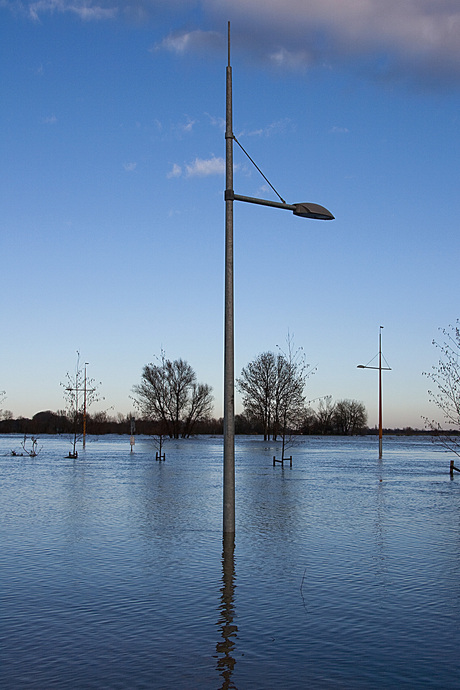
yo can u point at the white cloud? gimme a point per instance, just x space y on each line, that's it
339 130
203 167
176 171
130 167
200 167
181 128
86 10
94 13
293 60
217 121
188 126
276 127
415 37
50 120
187 41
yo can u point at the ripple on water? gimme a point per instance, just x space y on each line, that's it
343 573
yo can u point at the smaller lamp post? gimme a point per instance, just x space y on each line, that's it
84 410
380 369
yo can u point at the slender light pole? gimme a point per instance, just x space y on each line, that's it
380 369
229 342
84 411
380 395
304 210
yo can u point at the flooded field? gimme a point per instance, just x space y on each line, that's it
344 573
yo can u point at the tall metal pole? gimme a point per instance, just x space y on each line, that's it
380 369
229 383
84 412
380 394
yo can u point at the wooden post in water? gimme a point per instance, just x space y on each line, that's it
281 462
452 468
132 428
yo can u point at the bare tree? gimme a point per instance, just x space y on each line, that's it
33 451
80 392
445 376
349 417
5 415
293 372
272 386
257 384
199 407
309 422
325 415
169 393
2 400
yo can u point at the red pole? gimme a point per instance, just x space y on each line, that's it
380 394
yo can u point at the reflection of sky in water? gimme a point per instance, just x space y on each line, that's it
344 570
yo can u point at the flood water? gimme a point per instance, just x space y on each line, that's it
345 572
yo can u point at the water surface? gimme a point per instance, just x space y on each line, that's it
344 573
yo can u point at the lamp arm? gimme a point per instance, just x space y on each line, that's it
231 196
304 210
361 366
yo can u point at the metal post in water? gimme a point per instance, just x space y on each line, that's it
229 397
380 396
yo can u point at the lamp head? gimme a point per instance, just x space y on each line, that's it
360 366
310 210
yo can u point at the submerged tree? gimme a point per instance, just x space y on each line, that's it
325 415
290 409
159 438
349 417
445 376
79 392
272 387
257 385
2 400
169 393
33 451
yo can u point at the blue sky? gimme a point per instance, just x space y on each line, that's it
112 222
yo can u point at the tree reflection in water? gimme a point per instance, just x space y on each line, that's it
229 631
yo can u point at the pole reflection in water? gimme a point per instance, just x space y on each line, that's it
229 631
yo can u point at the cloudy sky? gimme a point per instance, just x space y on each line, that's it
112 222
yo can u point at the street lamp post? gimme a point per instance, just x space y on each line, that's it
229 355
303 210
380 369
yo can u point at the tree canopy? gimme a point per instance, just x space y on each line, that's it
445 376
273 390
170 394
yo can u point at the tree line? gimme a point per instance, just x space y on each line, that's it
274 399
344 418
100 423
97 424
170 401
273 393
